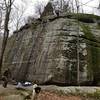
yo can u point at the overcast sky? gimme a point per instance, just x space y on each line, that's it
29 5
90 7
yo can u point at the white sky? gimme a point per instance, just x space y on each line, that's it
91 6
88 8
30 5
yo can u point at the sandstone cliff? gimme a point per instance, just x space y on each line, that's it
47 50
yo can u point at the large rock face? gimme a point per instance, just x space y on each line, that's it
48 51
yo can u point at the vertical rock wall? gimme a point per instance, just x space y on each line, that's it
47 52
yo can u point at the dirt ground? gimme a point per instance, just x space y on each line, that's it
52 96
44 95
11 93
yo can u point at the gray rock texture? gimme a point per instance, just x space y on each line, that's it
47 51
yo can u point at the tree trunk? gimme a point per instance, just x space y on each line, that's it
6 34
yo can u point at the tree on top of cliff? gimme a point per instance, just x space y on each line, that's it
48 10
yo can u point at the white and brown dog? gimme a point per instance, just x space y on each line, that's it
36 91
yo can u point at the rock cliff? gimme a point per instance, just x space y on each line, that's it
47 50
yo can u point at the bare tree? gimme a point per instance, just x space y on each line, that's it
78 59
99 8
39 8
8 6
61 5
99 5
17 16
1 16
0 20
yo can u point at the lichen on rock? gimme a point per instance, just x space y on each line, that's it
48 52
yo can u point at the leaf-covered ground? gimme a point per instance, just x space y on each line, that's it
47 93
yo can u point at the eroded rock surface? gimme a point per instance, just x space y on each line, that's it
47 51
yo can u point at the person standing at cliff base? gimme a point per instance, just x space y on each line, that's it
6 77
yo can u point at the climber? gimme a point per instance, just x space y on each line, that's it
57 13
57 10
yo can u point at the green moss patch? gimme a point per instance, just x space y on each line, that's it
87 33
93 48
87 18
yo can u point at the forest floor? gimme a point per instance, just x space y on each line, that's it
51 92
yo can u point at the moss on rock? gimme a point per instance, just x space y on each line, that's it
93 48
